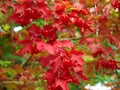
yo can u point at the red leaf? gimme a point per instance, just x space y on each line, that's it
99 63
80 75
78 5
39 45
49 33
98 52
94 47
65 19
59 9
47 60
56 65
27 46
76 56
109 64
50 77
103 19
4 8
29 10
42 46
84 11
67 63
34 31
61 84
49 48
64 43
108 51
76 52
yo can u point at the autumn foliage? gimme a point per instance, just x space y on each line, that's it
61 42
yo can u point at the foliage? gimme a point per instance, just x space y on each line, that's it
63 44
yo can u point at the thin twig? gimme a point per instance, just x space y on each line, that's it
12 82
26 60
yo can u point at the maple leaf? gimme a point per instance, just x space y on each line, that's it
65 19
49 48
59 8
42 46
61 84
60 65
78 62
49 33
80 23
59 71
80 75
112 39
3 8
84 11
76 52
58 24
50 77
27 46
55 62
34 31
76 57
94 47
27 11
98 52
103 19
39 45
63 43
56 65
91 42
43 7
108 64
47 60
111 64
108 51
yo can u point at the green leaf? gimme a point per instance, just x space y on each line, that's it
3 40
114 48
40 22
74 87
11 73
10 56
38 88
6 27
88 58
115 14
111 46
5 63
118 57
2 17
